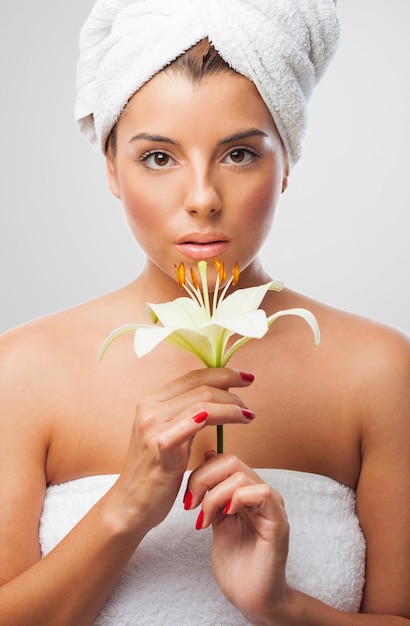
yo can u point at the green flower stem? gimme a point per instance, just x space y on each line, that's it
219 439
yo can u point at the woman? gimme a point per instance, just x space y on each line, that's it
199 160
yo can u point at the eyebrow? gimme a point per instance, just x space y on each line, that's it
155 138
252 132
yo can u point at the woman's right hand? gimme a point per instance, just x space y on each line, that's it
164 428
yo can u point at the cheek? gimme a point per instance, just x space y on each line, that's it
259 204
141 218
142 207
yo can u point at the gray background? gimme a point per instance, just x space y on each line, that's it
342 231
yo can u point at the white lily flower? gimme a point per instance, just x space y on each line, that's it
202 325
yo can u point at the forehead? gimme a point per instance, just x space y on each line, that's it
172 101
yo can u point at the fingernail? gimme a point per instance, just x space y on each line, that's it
188 499
228 506
199 520
247 376
250 415
201 417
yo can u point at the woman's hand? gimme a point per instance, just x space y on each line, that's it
162 435
251 535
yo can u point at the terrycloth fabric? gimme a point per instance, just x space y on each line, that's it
168 580
283 46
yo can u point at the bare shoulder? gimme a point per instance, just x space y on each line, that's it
378 355
374 361
38 359
366 366
358 348
61 333
34 349
367 346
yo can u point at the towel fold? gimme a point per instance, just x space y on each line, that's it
283 46
169 580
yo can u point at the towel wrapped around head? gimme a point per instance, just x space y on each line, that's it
283 46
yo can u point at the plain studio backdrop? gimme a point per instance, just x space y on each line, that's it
341 233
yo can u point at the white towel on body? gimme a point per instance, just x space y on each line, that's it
283 46
169 581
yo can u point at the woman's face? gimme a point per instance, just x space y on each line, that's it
199 169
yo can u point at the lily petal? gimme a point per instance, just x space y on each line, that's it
180 313
194 343
126 328
147 337
244 300
305 314
251 324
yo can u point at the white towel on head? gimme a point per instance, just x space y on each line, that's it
283 46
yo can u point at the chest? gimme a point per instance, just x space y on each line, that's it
303 421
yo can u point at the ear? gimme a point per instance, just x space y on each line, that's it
112 174
285 171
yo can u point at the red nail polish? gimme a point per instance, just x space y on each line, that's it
199 520
188 499
247 376
201 417
250 415
228 506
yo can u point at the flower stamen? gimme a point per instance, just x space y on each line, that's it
194 278
220 267
202 267
180 274
235 274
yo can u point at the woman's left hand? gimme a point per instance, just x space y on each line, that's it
251 535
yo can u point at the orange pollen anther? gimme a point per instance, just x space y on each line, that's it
194 278
235 273
180 274
220 267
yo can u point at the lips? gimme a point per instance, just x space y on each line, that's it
203 245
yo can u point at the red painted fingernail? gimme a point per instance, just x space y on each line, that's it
199 520
201 417
228 506
250 415
247 376
188 499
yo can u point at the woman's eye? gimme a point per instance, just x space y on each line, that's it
240 156
156 160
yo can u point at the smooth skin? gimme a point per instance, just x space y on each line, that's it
184 169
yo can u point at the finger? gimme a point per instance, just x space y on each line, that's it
263 507
183 428
218 403
209 454
218 478
200 397
220 497
219 377
263 497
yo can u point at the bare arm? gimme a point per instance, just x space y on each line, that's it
70 585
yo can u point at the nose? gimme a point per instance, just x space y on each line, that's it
202 198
